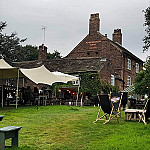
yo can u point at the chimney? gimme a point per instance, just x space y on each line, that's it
94 23
117 36
42 53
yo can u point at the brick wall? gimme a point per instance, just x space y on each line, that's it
42 53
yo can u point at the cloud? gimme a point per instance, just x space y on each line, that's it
67 21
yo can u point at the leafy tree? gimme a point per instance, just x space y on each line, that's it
142 80
10 45
146 39
91 85
30 52
54 55
11 48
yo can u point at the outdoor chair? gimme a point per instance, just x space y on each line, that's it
124 100
110 105
138 114
116 99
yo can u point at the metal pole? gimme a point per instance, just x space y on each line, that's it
17 89
78 95
2 96
77 99
82 100
44 28
2 91
23 82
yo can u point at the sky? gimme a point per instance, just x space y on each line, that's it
67 22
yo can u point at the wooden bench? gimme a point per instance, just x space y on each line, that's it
9 132
1 117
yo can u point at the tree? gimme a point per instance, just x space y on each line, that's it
12 50
30 52
142 80
91 85
146 39
54 55
10 45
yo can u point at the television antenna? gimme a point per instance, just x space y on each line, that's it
44 29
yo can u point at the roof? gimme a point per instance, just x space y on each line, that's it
76 65
102 37
124 50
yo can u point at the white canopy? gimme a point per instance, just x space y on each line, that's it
65 77
7 71
37 75
43 75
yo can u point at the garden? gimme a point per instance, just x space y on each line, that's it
61 127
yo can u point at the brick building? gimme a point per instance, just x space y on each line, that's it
95 53
124 64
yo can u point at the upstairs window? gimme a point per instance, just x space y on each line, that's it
129 64
112 80
128 81
137 68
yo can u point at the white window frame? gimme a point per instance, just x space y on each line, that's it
128 80
137 67
8 83
129 64
112 79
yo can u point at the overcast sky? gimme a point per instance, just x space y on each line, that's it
67 21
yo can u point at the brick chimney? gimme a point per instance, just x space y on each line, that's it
117 36
94 23
42 53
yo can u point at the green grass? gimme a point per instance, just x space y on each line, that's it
72 128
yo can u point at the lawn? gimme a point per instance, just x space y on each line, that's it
72 128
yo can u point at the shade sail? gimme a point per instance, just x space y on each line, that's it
42 75
7 71
65 77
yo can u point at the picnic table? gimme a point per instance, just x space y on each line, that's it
1 117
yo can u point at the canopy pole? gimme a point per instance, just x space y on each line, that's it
82 100
23 82
17 90
77 97
2 90
2 96
78 92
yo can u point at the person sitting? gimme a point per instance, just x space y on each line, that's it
9 95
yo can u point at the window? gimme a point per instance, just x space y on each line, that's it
8 83
129 64
77 82
137 68
128 81
112 80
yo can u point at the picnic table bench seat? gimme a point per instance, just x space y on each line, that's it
1 117
9 132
